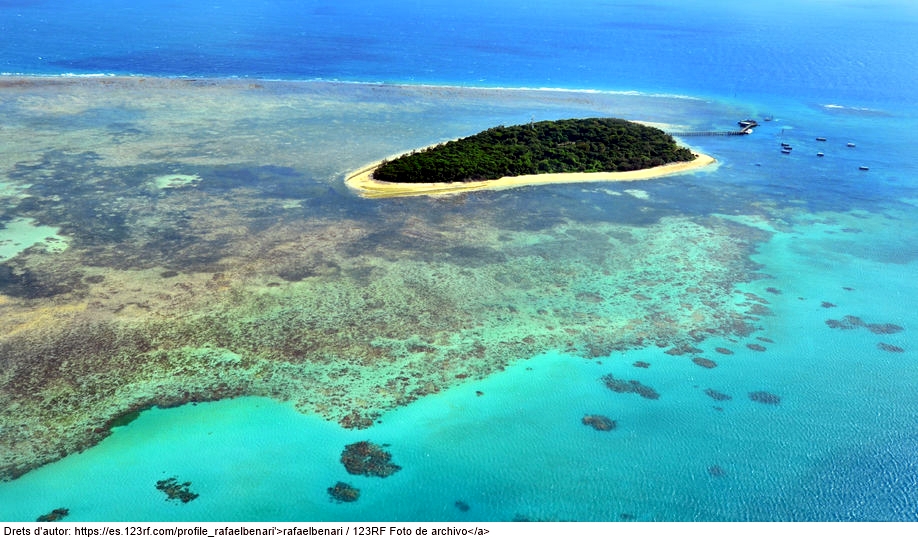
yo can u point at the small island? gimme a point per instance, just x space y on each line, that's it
568 150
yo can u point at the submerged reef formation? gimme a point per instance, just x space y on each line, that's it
251 271
850 322
344 493
366 458
716 471
599 422
54 516
766 398
175 490
629 386
704 362
716 395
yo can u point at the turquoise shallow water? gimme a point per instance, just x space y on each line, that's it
834 448
82 212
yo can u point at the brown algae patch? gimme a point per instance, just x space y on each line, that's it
257 279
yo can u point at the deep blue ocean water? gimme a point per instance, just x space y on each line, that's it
840 447
860 52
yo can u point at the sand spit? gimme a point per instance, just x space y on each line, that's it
362 180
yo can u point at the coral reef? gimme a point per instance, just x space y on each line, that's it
716 395
850 322
641 364
599 422
262 276
175 490
54 516
629 386
704 362
765 398
683 349
716 471
366 458
756 347
723 350
884 328
889 347
462 506
344 492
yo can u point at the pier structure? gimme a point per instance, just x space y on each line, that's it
746 127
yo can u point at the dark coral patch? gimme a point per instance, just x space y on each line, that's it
716 395
756 347
704 362
758 309
366 458
850 322
765 339
640 364
682 349
462 506
889 348
765 398
175 490
723 350
755 298
355 420
774 291
343 492
853 321
827 304
629 386
716 471
592 298
884 328
599 422
54 515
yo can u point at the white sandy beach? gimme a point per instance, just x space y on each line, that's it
362 180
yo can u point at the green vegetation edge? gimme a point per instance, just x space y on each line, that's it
561 146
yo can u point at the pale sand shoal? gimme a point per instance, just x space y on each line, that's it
367 187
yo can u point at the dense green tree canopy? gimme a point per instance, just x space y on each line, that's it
563 146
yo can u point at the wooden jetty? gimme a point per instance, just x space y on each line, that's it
746 127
